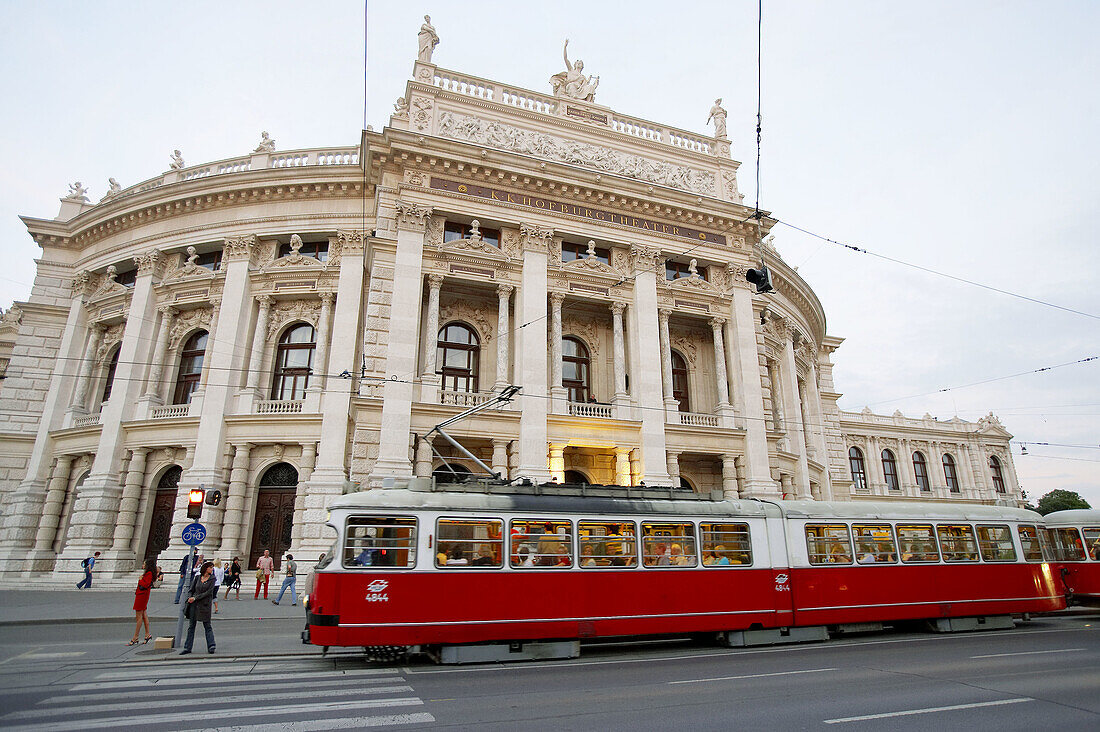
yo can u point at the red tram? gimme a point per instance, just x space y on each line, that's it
1072 540
423 568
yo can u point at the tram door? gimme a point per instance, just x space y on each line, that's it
164 503
274 514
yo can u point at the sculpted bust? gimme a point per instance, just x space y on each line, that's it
572 83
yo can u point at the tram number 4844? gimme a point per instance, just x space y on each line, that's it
376 591
781 583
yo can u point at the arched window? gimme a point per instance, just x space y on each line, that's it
109 381
920 471
859 472
294 363
457 353
576 477
451 473
575 369
685 485
191 358
998 475
890 470
949 473
680 381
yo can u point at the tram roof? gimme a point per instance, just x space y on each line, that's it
897 510
1073 516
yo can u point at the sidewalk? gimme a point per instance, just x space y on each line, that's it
37 606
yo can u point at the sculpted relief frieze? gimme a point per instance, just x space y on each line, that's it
506 137
187 322
476 314
283 313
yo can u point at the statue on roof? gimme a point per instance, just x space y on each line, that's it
718 114
266 144
113 189
177 161
572 83
428 40
77 192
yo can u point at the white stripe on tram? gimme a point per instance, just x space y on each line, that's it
561 620
929 710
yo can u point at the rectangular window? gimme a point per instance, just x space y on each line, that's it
316 249
875 544
1067 545
668 544
725 544
127 278
542 543
1029 540
455 231
210 260
995 543
917 543
675 270
1092 541
607 544
571 252
828 544
957 542
380 541
468 543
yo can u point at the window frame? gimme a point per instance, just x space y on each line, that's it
995 545
949 543
890 469
1031 545
312 249
680 270
740 545
109 377
469 376
920 472
654 540
881 556
997 473
488 520
457 231
623 539
582 386
830 541
187 383
411 548
1091 534
906 544
514 544
580 252
680 383
294 373
1061 549
951 473
859 477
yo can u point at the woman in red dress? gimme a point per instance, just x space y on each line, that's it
141 600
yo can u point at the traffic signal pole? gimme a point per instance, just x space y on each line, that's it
189 569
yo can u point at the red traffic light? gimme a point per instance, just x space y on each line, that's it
194 502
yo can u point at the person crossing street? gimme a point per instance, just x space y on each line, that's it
291 577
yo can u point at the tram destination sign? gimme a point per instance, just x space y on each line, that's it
572 209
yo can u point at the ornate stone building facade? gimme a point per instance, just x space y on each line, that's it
284 325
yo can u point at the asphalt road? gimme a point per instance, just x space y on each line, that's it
1042 675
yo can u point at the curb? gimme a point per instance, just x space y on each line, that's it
157 618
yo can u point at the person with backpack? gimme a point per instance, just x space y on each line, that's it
87 564
291 568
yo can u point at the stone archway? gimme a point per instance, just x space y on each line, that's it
164 502
273 525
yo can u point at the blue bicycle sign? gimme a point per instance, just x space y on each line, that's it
194 534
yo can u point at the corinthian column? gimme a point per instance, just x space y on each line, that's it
324 329
79 403
558 393
431 329
251 392
152 388
666 361
504 293
717 325
619 356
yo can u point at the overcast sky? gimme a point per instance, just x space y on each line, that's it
961 137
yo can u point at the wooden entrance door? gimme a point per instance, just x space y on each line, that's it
274 522
164 504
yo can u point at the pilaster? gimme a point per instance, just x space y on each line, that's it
531 354
645 340
758 481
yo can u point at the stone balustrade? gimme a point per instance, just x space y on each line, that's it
698 419
582 409
463 398
172 410
90 420
279 406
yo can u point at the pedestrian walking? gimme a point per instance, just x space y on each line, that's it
291 568
87 564
141 600
199 606
219 577
234 578
265 567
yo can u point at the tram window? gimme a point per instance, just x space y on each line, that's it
1046 541
828 544
725 544
379 541
957 542
542 543
995 543
1067 545
1029 540
1092 540
607 544
668 544
875 544
468 543
917 543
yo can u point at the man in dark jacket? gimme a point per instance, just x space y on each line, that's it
201 602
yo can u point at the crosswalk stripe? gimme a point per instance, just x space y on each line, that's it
146 682
144 673
389 720
206 715
160 690
144 702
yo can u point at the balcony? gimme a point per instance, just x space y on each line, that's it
582 409
699 419
279 406
90 420
463 398
172 410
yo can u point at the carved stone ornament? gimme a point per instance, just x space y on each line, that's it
177 161
572 83
296 258
266 145
83 283
108 285
474 244
401 109
472 313
187 322
589 263
412 216
510 243
738 274
421 113
77 193
535 238
587 330
644 257
148 262
505 137
694 284
687 347
111 337
729 183
239 247
284 313
416 178
189 268
12 316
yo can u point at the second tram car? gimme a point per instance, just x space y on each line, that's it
1073 542
429 566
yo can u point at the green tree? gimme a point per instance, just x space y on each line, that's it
1059 500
